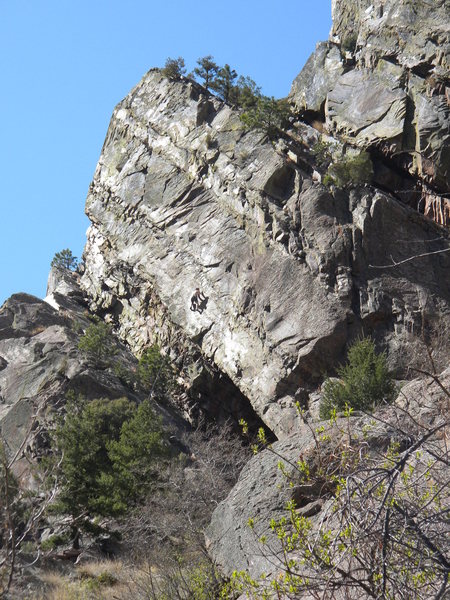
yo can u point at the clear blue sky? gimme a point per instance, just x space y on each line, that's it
65 64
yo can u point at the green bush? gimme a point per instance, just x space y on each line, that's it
364 381
154 371
54 541
97 343
174 68
267 115
321 151
354 170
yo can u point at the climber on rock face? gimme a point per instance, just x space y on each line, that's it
198 299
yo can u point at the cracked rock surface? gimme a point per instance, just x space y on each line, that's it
262 491
382 80
184 197
40 362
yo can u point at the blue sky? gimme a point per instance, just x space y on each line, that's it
65 64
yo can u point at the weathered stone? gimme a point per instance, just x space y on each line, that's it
318 77
396 56
367 106
284 263
262 490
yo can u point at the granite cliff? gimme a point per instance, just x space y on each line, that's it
382 80
185 196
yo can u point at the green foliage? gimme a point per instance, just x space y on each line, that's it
174 68
384 519
322 153
125 375
328 180
136 455
155 372
268 115
97 343
364 382
223 83
54 541
354 170
349 42
65 260
82 441
247 93
206 70
108 450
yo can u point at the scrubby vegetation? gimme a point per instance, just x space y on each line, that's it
351 170
382 529
97 343
268 115
174 68
364 382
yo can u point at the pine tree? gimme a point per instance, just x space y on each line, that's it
206 70
65 260
248 92
109 453
174 68
223 84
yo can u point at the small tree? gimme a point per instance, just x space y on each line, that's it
268 115
364 381
223 84
154 371
247 92
82 440
206 70
174 68
355 170
97 343
108 450
65 260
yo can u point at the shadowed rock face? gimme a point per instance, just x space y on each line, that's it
383 80
183 197
40 362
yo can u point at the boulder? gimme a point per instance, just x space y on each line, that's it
263 490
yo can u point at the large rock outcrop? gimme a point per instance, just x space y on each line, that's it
383 81
183 197
40 363
263 489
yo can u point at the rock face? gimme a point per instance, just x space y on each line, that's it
262 491
40 362
383 81
183 197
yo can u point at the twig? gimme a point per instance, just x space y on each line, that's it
402 262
